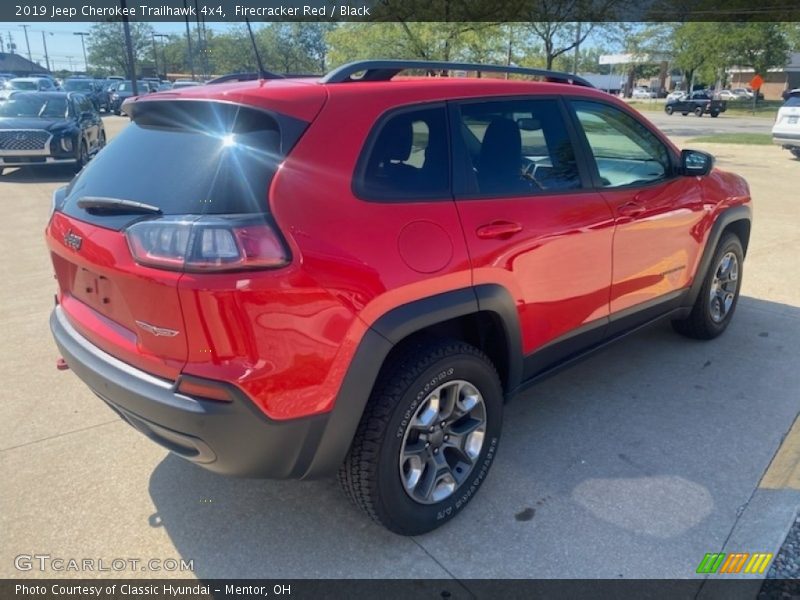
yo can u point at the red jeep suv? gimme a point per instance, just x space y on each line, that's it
287 278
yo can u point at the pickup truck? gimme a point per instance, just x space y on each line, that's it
699 103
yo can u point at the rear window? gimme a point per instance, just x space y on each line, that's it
187 158
77 85
792 101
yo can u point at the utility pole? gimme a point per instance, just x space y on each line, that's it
83 35
577 49
155 53
46 56
163 52
188 37
25 27
129 46
200 44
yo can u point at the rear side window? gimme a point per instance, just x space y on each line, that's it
187 158
406 157
517 148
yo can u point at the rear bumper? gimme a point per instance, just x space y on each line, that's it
21 161
232 438
786 140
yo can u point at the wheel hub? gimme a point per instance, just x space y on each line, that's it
724 285
442 442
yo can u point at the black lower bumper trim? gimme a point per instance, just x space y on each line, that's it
232 438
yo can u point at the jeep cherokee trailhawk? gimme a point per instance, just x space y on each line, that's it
288 278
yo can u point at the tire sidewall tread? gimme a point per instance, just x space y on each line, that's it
370 474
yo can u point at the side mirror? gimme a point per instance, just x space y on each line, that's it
696 162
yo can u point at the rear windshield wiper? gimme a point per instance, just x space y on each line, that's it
117 205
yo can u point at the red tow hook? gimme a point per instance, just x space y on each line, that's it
62 365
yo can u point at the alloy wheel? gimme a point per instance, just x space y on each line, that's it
442 442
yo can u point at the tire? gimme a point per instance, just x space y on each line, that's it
698 112
101 143
83 156
795 152
684 113
711 315
669 110
714 114
116 111
389 466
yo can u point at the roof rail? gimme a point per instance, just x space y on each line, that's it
384 70
245 77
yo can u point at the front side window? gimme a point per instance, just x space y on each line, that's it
517 147
409 157
625 151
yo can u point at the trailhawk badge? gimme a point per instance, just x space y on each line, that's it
157 331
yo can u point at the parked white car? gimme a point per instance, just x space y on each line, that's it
676 95
786 131
642 93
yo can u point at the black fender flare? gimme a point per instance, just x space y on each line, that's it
384 334
730 215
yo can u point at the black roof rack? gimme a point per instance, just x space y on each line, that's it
245 77
384 70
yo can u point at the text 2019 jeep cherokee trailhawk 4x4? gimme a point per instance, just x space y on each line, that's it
289 277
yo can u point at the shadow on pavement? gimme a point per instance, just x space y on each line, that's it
633 463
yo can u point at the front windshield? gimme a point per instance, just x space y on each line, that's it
76 85
127 86
23 85
28 105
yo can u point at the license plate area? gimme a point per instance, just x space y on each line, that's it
93 289
792 120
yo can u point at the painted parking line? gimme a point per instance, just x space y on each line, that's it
783 472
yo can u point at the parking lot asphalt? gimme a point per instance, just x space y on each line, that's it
634 463
676 125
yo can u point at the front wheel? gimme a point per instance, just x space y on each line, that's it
669 110
714 114
698 112
795 152
427 439
713 310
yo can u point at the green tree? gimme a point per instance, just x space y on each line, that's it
106 47
760 46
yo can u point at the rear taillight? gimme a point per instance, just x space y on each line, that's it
207 243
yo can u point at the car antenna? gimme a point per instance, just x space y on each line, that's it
262 72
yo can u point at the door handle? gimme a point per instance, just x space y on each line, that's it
630 209
498 230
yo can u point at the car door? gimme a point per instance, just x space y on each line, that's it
530 220
88 121
657 211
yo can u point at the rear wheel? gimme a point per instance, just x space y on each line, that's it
698 112
716 302
83 156
795 152
427 438
669 110
684 113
